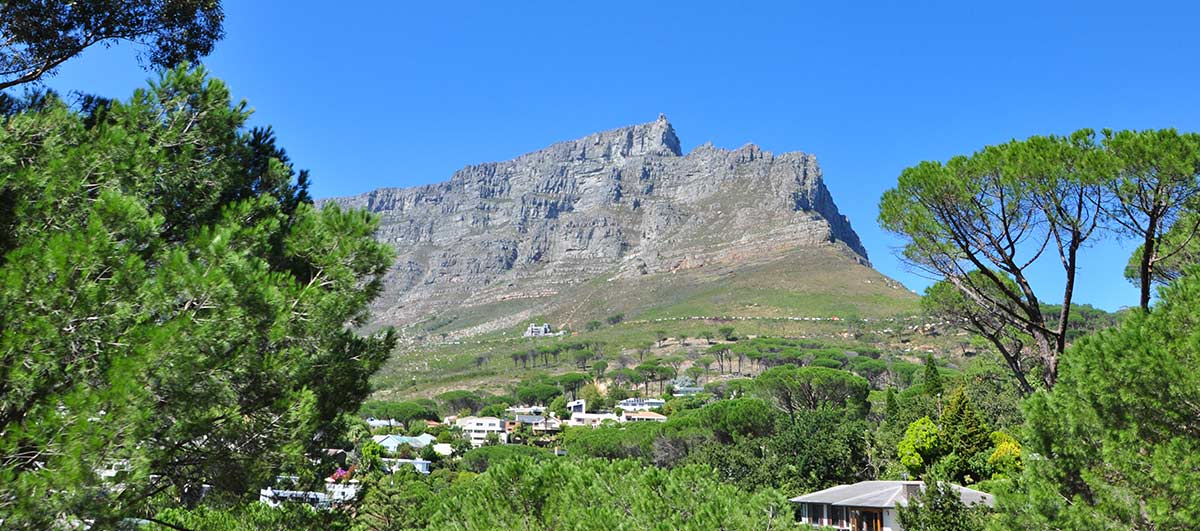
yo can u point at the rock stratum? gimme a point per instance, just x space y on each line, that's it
519 238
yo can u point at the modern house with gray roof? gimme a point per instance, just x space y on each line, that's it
869 505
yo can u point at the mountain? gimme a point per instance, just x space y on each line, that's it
616 221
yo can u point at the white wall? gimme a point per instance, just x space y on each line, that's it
890 523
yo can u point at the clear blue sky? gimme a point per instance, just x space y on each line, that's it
374 94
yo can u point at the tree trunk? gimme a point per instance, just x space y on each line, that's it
1145 265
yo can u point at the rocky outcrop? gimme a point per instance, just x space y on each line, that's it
620 203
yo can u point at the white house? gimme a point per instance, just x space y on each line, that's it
420 465
591 419
538 330
336 493
643 416
392 443
526 410
869 505
476 429
641 404
536 423
383 423
577 406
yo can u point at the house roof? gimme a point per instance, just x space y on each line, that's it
884 494
416 442
646 415
530 419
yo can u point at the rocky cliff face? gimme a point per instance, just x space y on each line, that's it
616 204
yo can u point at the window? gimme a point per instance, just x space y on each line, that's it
866 519
837 516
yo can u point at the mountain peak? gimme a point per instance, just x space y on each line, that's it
624 204
655 138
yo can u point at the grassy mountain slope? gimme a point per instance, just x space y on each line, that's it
821 293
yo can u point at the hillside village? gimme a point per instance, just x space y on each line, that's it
558 417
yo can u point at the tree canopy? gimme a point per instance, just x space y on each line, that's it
1117 441
983 222
172 306
39 35
793 389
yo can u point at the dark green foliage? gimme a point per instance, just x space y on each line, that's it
251 517
744 463
396 502
455 401
826 362
571 382
597 494
933 378
615 318
821 448
903 373
537 393
992 391
170 299
632 441
870 368
892 406
939 508
404 412
795 389
740 417
493 410
1117 441
966 433
480 459
967 438
39 35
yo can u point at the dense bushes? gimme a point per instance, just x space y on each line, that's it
598 494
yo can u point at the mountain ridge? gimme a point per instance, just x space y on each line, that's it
622 204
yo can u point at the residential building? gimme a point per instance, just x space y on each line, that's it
538 330
641 404
392 443
337 492
537 423
384 423
276 497
869 505
477 429
591 419
420 465
577 406
643 416
548 424
526 410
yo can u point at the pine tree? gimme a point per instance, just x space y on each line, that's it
966 432
170 302
892 409
1117 440
933 378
